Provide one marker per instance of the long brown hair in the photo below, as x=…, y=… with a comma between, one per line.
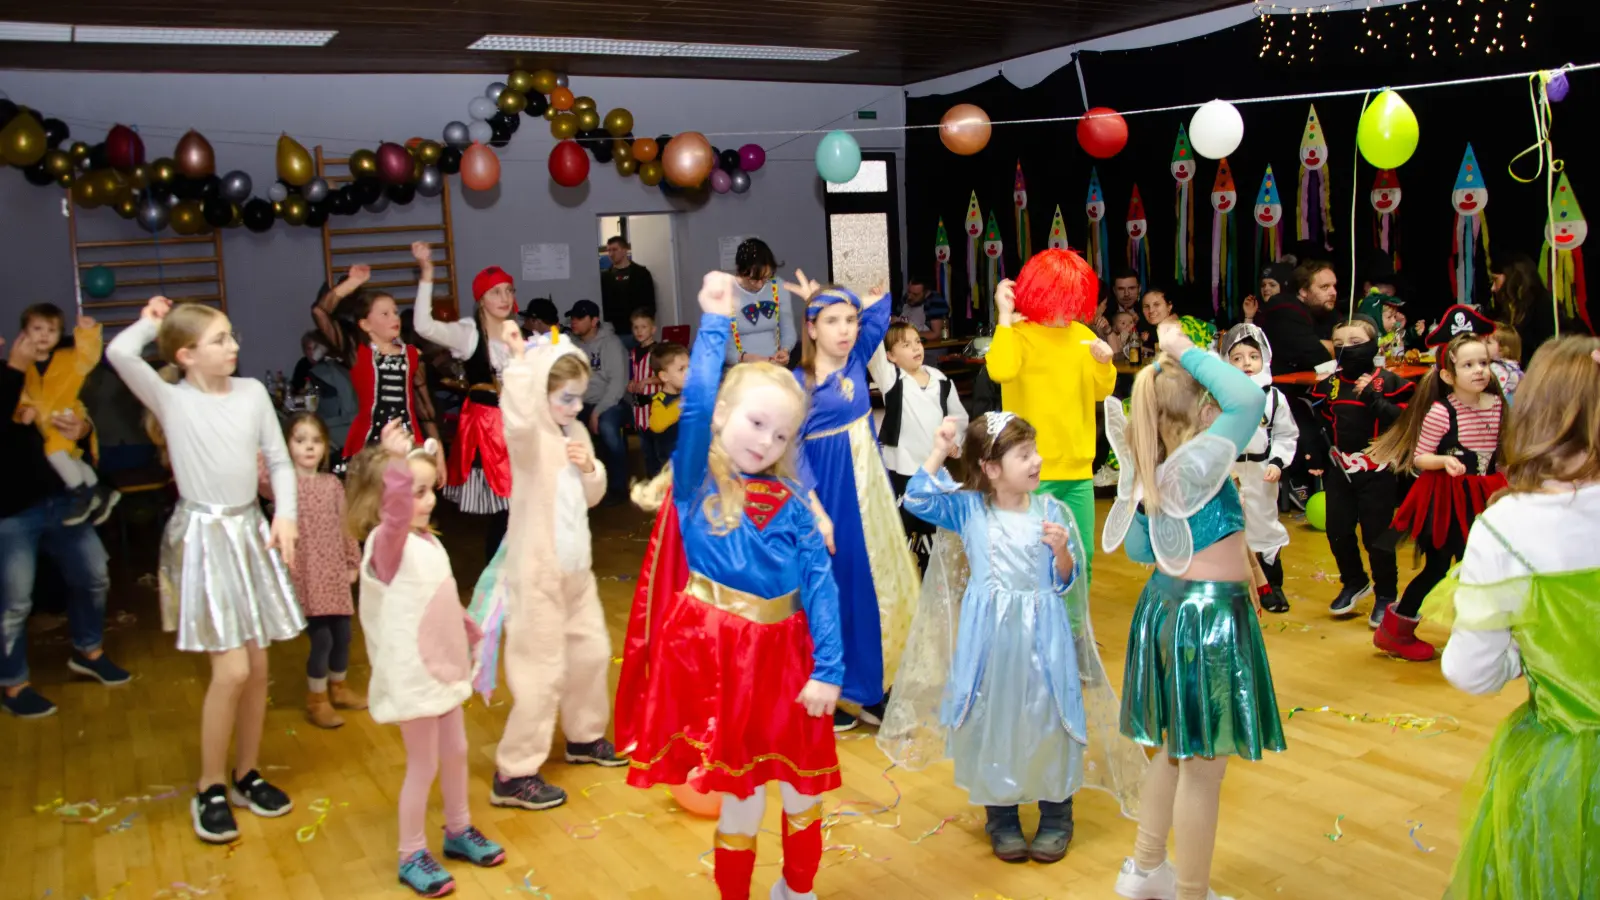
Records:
x=1168, y=409
x=1522, y=289
x=1553, y=433
x=1397, y=446
x=979, y=448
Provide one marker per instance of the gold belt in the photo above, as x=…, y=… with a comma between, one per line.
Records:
x=763, y=610
x=490, y=388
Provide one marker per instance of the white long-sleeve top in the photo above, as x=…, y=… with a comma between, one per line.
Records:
x=920, y=413
x=459, y=337
x=212, y=439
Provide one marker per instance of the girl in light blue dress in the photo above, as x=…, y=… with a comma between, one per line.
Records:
x=1016, y=695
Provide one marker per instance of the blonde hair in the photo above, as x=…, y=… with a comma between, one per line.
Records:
x=1510, y=341
x=363, y=488
x=181, y=329
x=724, y=509
x=1553, y=430
x=1397, y=446
x=567, y=367
x=1168, y=409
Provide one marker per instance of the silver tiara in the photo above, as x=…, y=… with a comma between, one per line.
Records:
x=996, y=422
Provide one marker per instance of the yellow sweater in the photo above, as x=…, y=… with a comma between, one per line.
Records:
x=56, y=389
x=1047, y=376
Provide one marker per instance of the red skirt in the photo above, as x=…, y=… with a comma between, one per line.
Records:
x=481, y=437
x=1445, y=504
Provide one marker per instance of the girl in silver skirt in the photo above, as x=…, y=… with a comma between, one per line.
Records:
x=224, y=586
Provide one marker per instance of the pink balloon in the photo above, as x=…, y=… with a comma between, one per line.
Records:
x=394, y=164
x=720, y=182
x=706, y=806
x=752, y=157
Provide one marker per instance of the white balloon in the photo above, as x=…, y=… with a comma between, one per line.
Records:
x=480, y=131
x=1216, y=130
x=277, y=193
x=481, y=108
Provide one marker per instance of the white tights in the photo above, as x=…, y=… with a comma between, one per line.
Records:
x=744, y=816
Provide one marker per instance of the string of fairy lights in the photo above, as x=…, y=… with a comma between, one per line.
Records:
x=1416, y=27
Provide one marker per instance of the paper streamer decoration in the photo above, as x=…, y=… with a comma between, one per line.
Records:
x=1564, y=235
x=1315, y=220
x=1183, y=171
x=974, y=227
x=995, y=267
x=1097, y=249
x=1269, y=219
x=1058, y=232
x=1386, y=208
x=1138, y=229
x=1469, y=198
x=1019, y=199
x=941, y=256
x=1224, y=244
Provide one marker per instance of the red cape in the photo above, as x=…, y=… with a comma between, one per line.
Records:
x=663, y=573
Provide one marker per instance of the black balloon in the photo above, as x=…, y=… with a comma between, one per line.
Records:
x=98, y=159
x=537, y=104
x=210, y=186
x=187, y=188
x=317, y=215
x=499, y=136
x=258, y=215
x=159, y=191
x=506, y=121
x=218, y=212
x=367, y=190
x=344, y=202
x=402, y=193
x=449, y=161
x=55, y=133
x=8, y=111
x=39, y=175
x=729, y=160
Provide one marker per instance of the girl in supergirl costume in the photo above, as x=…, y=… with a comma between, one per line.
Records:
x=728, y=683
x=872, y=562
x=1196, y=685
x=1449, y=436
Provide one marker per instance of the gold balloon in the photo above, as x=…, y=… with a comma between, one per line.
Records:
x=416, y=169
x=107, y=184
x=122, y=193
x=277, y=208
x=583, y=103
x=543, y=81
x=520, y=81
x=188, y=218
x=618, y=122
x=58, y=163
x=67, y=180
x=550, y=112
x=87, y=194
x=127, y=207
x=626, y=167
x=294, y=211
x=621, y=150
x=512, y=102
x=195, y=157
x=563, y=127
x=294, y=163
x=79, y=151
x=588, y=119
x=22, y=140
x=428, y=152
x=364, y=164
x=651, y=173
x=163, y=171
x=139, y=177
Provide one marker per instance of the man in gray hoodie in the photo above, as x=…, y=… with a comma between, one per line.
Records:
x=603, y=412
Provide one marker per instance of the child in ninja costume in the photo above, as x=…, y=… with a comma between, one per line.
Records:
x=1262, y=464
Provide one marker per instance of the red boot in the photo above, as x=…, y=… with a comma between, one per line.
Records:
x=1397, y=636
x=802, y=850
x=735, y=861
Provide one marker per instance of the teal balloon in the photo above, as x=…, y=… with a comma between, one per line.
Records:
x=838, y=157
x=99, y=282
x=1317, y=511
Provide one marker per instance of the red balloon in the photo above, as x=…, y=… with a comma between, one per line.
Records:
x=480, y=168
x=569, y=165
x=124, y=148
x=394, y=164
x=1103, y=132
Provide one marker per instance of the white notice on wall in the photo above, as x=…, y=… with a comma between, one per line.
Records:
x=546, y=262
x=728, y=248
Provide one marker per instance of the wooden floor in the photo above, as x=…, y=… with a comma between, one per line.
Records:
x=135, y=748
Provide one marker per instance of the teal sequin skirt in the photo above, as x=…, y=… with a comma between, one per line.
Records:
x=1196, y=681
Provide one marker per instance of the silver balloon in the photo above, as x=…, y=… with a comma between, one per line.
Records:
x=236, y=187
x=561, y=81
x=378, y=205
x=173, y=200
x=457, y=136
x=494, y=89
x=278, y=193
x=480, y=131
x=315, y=191
x=739, y=180
x=431, y=182
x=152, y=215
x=481, y=108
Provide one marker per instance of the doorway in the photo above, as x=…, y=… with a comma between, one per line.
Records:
x=650, y=238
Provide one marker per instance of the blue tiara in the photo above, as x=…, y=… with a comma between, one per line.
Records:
x=828, y=298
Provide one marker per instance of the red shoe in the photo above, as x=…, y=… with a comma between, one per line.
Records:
x=1397, y=636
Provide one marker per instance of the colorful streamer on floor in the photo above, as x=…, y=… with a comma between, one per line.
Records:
x=1425, y=726
x=321, y=806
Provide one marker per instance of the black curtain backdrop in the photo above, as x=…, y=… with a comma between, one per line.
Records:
x=1495, y=117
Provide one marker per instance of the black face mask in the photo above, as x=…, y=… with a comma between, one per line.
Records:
x=1358, y=359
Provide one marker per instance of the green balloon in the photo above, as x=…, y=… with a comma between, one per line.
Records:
x=99, y=282
x=1317, y=511
x=1387, y=134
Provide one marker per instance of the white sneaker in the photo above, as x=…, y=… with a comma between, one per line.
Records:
x=780, y=891
x=1160, y=883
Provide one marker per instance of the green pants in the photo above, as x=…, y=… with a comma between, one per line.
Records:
x=1078, y=496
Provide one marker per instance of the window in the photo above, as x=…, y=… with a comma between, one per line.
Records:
x=864, y=227
x=872, y=179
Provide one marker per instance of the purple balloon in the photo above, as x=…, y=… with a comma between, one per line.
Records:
x=1557, y=88
x=752, y=157
x=720, y=182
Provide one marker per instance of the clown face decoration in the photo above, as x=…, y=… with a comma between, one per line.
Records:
x=1223, y=197
x=1058, y=232
x=1313, y=148
x=1470, y=195
x=991, y=238
x=1138, y=226
x=974, y=222
x=1095, y=206
x=1269, y=209
x=1567, y=228
x=1183, y=169
x=1385, y=194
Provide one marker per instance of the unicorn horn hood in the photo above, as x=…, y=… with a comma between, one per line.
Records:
x=540, y=356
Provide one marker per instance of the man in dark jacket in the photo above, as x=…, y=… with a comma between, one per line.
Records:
x=625, y=287
x=1299, y=323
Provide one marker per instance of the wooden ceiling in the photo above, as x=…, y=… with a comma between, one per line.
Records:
x=897, y=43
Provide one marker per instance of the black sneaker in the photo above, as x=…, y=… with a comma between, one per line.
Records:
x=1379, y=606
x=213, y=820
x=109, y=497
x=526, y=792
x=1274, y=601
x=83, y=505
x=28, y=704
x=101, y=668
x=1345, y=603
x=843, y=721
x=262, y=798
x=597, y=753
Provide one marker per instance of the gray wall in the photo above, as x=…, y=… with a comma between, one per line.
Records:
x=272, y=277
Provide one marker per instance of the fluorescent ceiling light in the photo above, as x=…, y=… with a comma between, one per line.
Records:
x=117, y=34
x=607, y=47
x=34, y=31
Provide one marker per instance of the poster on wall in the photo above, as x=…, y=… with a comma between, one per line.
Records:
x=728, y=250
x=546, y=262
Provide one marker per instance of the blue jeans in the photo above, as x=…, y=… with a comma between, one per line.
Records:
x=77, y=552
x=613, y=448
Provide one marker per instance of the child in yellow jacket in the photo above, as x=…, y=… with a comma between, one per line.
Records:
x=51, y=386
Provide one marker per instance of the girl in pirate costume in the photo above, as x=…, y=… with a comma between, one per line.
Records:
x=479, y=473
x=1196, y=685
x=1263, y=461
x=728, y=683
x=1450, y=437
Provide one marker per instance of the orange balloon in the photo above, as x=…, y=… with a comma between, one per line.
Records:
x=480, y=168
x=645, y=149
x=688, y=159
x=561, y=98
x=706, y=806
x=413, y=143
x=964, y=129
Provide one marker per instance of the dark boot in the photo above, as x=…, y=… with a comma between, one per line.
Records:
x=1005, y=834
x=1397, y=636
x=1055, y=831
